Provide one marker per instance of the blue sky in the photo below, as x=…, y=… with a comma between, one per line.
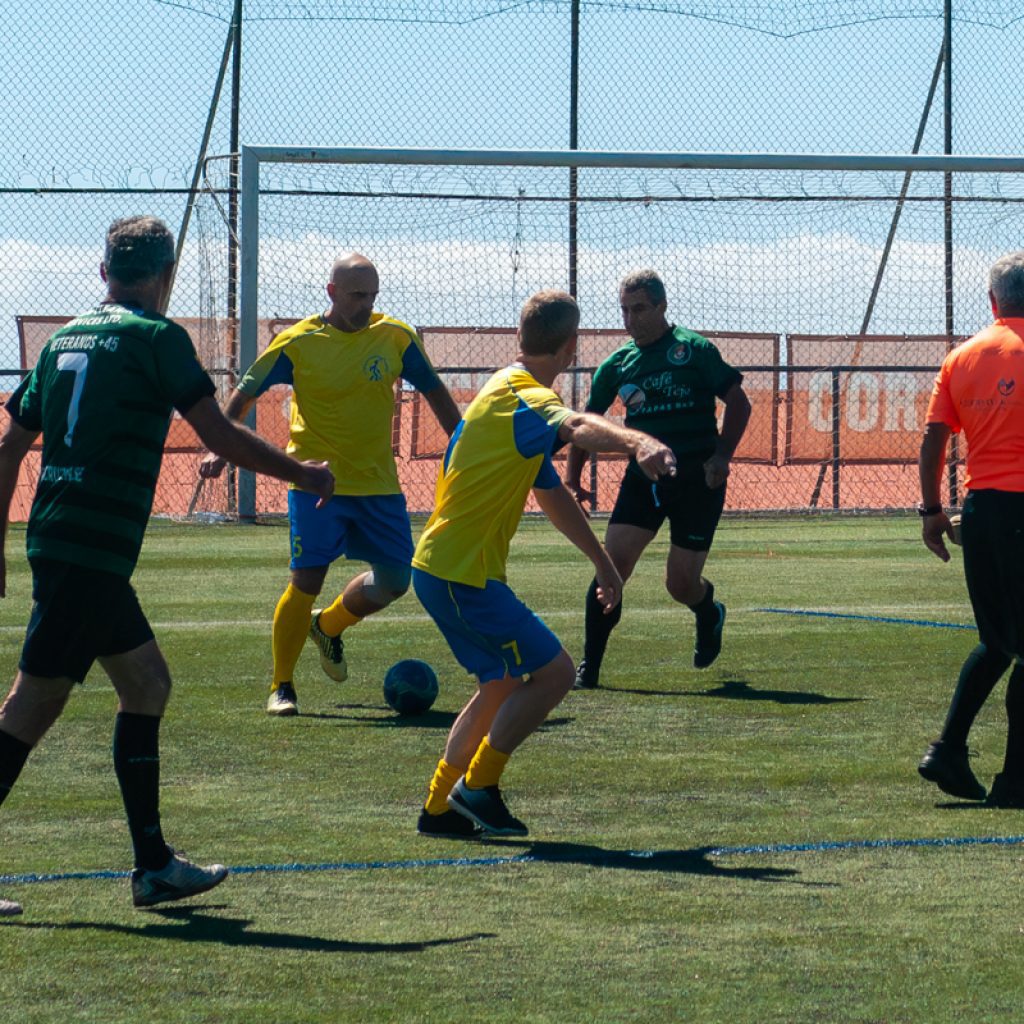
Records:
x=118, y=96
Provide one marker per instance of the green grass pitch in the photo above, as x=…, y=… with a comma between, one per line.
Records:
x=629, y=900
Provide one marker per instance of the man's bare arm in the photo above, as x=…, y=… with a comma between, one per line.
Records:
x=240, y=446
x=930, y=463
x=568, y=518
x=236, y=409
x=594, y=433
x=734, y=423
x=14, y=446
x=444, y=408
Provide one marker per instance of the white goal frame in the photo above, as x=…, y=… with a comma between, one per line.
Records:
x=254, y=156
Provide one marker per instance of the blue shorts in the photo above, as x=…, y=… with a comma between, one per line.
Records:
x=373, y=528
x=490, y=631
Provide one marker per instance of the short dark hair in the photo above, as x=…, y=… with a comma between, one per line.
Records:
x=547, y=321
x=648, y=281
x=137, y=248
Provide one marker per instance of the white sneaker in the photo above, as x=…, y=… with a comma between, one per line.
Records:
x=283, y=701
x=332, y=650
x=179, y=879
x=8, y=908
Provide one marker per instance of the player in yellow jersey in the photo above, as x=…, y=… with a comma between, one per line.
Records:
x=499, y=453
x=342, y=366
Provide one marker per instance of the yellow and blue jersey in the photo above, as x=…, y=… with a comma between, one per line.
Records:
x=343, y=394
x=500, y=450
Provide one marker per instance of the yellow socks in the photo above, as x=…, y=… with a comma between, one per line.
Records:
x=337, y=618
x=486, y=767
x=441, y=784
x=291, y=627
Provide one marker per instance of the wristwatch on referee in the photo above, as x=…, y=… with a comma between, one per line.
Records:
x=924, y=510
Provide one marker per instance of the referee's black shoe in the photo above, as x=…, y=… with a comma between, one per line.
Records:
x=948, y=767
x=1006, y=792
x=585, y=680
x=709, y=638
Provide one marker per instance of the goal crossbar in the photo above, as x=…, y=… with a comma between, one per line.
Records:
x=253, y=156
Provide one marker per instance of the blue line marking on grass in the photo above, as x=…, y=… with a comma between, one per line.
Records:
x=252, y=869
x=865, y=844
x=761, y=849
x=866, y=618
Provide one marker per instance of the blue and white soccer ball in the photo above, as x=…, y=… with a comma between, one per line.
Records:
x=410, y=687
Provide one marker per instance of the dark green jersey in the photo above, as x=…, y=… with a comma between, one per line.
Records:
x=668, y=388
x=102, y=394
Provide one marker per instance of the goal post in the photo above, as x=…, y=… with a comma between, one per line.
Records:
x=740, y=223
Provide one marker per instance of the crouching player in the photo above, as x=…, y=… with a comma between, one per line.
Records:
x=501, y=450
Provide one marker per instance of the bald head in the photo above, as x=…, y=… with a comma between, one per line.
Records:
x=350, y=261
x=353, y=289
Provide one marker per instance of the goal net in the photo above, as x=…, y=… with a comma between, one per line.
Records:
x=836, y=289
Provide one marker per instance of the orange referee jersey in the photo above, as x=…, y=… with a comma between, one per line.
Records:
x=980, y=390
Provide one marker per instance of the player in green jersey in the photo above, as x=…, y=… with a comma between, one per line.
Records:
x=102, y=394
x=668, y=379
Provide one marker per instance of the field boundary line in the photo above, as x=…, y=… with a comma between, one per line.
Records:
x=866, y=618
x=758, y=849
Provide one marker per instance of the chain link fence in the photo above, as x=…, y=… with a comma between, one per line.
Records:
x=142, y=92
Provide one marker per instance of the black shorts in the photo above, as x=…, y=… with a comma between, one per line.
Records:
x=691, y=507
x=992, y=528
x=79, y=615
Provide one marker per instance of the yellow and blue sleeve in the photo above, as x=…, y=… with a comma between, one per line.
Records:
x=273, y=367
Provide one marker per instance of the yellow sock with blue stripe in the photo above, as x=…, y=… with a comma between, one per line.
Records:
x=291, y=627
x=486, y=767
x=441, y=784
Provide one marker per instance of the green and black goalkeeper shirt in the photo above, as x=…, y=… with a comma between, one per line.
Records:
x=668, y=389
x=102, y=394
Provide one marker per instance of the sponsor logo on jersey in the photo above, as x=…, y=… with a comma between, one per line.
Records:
x=632, y=397
x=1006, y=387
x=679, y=354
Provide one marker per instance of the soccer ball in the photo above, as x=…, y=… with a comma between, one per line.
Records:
x=410, y=687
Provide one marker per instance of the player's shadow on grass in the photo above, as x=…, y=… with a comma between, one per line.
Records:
x=349, y=713
x=440, y=720
x=738, y=689
x=697, y=861
x=194, y=924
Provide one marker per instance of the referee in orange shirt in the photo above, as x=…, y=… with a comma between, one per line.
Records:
x=980, y=390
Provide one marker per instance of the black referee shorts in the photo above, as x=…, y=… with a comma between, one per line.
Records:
x=79, y=615
x=992, y=531
x=685, y=500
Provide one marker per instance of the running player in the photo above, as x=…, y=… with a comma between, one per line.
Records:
x=501, y=451
x=668, y=379
x=101, y=394
x=342, y=365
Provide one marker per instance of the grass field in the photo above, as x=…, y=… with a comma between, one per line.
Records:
x=637, y=896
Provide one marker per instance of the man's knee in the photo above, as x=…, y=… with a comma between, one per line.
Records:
x=141, y=679
x=557, y=677
x=32, y=706
x=387, y=583
x=685, y=589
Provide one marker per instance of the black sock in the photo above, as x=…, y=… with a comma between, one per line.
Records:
x=137, y=764
x=979, y=674
x=704, y=609
x=598, y=628
x=13, y=755
x=1013, y=765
